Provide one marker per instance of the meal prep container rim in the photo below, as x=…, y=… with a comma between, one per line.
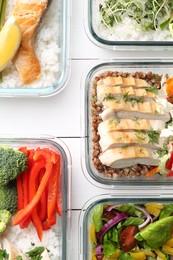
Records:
x=65, y=67
x=109, y=183
x=126, y=196
x=60, y=146
x=119, y=45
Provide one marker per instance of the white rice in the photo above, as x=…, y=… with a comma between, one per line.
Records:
x=127, y=30
x=47, y=50
x=24, y=239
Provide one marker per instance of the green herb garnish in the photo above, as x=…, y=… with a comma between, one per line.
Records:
x=152, y=89
x=35, y=254
x=3, y=254
x=162, y=151
x=153, y=135
x=109, y=96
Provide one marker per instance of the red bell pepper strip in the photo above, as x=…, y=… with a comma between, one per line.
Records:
x=170, y=173
x=24, y=213
x=53, y=187
x=42, y=206
x=49, y=222
x=170, y=161
x=52, y=219
x=59, y=203
x=37, y=223
x=59, y=196
x=25, y=181
x=33, y=185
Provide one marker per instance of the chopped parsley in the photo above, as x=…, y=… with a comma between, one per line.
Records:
x=152, y=89
x=153, y=135
x=3, y=255
x=35, y=254
x=162, y=151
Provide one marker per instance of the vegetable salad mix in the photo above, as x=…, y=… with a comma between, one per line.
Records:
x=130, y=231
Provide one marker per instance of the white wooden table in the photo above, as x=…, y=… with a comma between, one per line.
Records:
x=60, y=115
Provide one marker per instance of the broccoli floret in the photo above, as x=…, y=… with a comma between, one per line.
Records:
x=5, y=217
x=8, y=197
x=12, y=163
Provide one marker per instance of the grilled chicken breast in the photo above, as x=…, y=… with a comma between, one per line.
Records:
x=28, y=14
x=118, y=124
x=104, y=92
x=122, y=113
x=125, y=82
x=128, y=156
x=115, y=139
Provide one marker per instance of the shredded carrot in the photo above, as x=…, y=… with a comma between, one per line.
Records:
x=153, y=171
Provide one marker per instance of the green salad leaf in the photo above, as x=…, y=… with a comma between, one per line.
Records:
x=97, y=217
x=157, y=233
x=166, y=211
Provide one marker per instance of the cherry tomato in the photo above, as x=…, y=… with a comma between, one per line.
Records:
x=126, y=238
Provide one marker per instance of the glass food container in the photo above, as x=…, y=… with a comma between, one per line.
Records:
x=52, y=49
x=110, y=111
x=105, y=219
x=129, y=25
x=57, y=238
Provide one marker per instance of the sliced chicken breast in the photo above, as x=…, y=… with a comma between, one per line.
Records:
x=118, y=124
x=141, y=83
x=118, y=139
x=113, y=81
x=129, y=81
x=125, y=82
x=112, y=114
x=104, y=92
x=129, y=156
x=133, y=105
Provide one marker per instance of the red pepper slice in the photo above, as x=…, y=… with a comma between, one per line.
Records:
x=170, y=173
x=24, y=213
x=43, y=200
x=20, y=193
x=53, y=188
x=169, y=162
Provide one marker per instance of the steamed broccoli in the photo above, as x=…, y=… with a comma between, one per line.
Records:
x=8, y=197
x=5, y=217
x=12, y=163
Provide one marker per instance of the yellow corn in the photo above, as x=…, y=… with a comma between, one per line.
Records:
x=169, y=242
x=138, y=255
x=160, y=254
x=154, y=208
x=167, y=249
x=93, y=255
x=148, y=252
x=92, y=234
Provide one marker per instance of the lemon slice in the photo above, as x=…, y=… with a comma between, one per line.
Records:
x=10, y=38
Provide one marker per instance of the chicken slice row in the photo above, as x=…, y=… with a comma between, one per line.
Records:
x=132, y=121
